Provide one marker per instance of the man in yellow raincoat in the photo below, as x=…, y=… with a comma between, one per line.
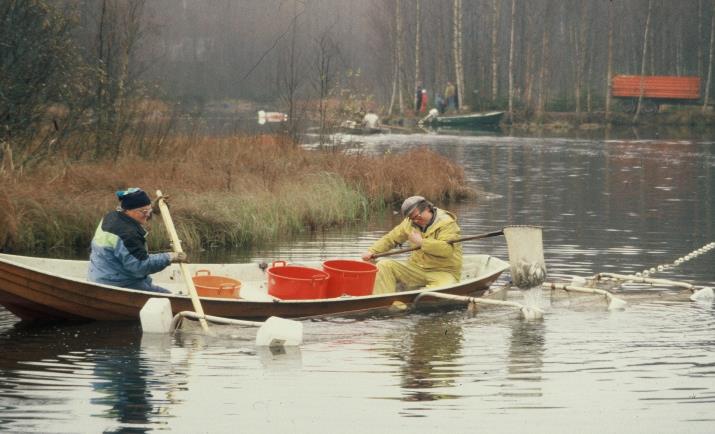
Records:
x=435, y=263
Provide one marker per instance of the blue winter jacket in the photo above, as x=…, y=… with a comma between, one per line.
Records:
x=119, y=256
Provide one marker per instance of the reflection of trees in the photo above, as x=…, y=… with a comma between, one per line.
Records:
x=430, y=345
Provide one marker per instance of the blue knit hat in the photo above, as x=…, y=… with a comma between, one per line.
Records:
x=133, y=198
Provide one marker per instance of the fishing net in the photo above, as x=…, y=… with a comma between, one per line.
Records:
x=526, y=255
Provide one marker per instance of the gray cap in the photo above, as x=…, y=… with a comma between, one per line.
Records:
x=410, y=203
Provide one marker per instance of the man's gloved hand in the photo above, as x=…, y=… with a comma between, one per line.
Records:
x=155, y=205
x=178, y=257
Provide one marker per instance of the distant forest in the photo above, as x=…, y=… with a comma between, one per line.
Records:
x=100, y=66
x=552, y=54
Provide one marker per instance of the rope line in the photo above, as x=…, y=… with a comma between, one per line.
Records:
x=692, y=255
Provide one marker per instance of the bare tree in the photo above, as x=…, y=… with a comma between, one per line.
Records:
x=643, y=61
x=495, y=49
x=418, y=52
x=398, y=66
x=609, y=61
x=710, y=58
x=457, y=51
x=327, y=51
x=511, y=60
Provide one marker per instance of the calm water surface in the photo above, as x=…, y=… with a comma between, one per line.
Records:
x=605, y=205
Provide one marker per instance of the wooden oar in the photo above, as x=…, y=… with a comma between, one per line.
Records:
x=176, y=243
x=458, y=240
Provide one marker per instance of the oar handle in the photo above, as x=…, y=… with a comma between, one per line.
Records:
x=458, y=240
x=176, y=244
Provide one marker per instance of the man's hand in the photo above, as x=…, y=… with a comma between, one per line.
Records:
x=416, y=238
x=367, y=256
x=155, y=205
x=178, y=257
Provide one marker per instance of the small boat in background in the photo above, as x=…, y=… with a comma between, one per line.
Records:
x=264, y=117
x=359, y=129
x=363, y=131
x=479, y=120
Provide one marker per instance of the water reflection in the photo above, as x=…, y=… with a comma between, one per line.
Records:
x=104, y=370
x=430, y=350
x=525, y=359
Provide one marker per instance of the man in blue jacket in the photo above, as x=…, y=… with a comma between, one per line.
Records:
x=119, y=256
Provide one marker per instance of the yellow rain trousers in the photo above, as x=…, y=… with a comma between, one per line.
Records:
x=437, y=263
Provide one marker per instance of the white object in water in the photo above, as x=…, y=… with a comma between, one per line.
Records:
x=705, y=293
x=280, y=332
x=156, y=316
x=615, y=303
x=578, y=281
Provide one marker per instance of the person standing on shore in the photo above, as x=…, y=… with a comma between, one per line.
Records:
x=436, y=263
x=450, y=95
x=119, y=255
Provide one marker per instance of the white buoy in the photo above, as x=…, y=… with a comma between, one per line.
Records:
x=616, y=303
x=578, y=281
x=280, y=332
x=532, y=313
x=156, y=316
x=706, y=293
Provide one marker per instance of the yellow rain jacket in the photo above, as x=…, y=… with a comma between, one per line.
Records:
x=436, y=254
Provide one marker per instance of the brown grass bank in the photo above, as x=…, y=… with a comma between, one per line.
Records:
x=229, y=192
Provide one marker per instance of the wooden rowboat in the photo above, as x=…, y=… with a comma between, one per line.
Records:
x=56, y=289
x=470, y=120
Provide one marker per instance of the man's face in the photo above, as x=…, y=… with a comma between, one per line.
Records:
x=141, y=215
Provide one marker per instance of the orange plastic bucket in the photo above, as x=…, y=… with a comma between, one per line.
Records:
x=215, y=286
x=349, y=277
x=291, y=282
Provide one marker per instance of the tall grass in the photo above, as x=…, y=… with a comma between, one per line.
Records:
x=236, y=191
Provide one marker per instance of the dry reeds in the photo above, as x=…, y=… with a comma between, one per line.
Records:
x=234, y=191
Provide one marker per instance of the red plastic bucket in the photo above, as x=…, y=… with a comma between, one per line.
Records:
x=349, y=277
x=291, y=282
x=215, y=286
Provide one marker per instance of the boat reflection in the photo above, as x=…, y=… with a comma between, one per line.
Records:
x=125, y=372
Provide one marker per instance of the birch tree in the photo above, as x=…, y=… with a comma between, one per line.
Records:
x=511, y=60
x=495, y=49
x=643, y=61
x=457, y=51
x=418, y=31
x=397, y=60
x=609, y=61
x=708, y=82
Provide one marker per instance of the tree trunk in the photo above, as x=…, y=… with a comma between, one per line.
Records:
x=418, y=30
x=708, y=82
x=397, y=70
x=457, y=52
x=643, y=61
x=495, y=49
x=511, y=61
x=541, y=98
x=609, y=62
x=400, y=61
x=700, y=38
